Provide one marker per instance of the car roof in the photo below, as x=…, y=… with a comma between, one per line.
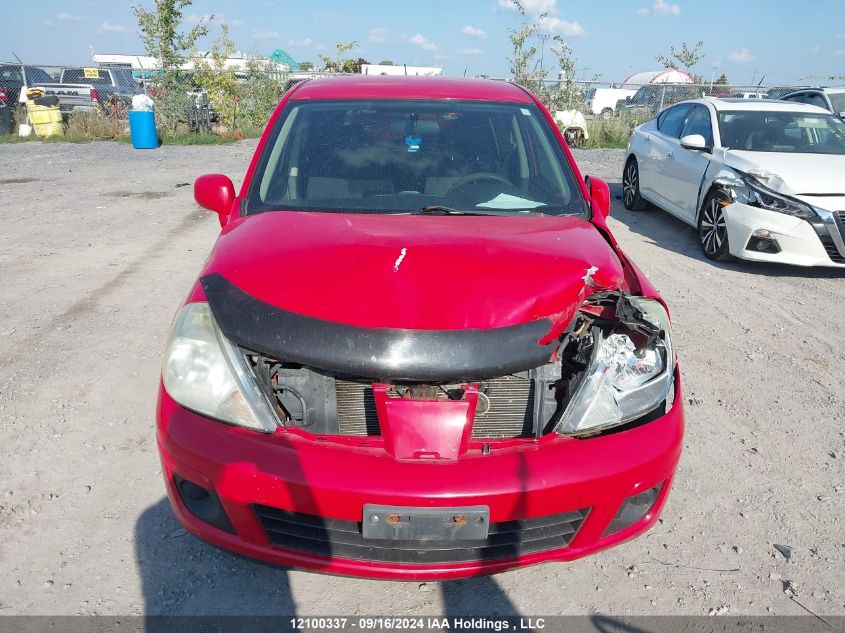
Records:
x=760, y=105
x=402, y=87
x=829, y=90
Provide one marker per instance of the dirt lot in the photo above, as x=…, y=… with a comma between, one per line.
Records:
x=100, y=243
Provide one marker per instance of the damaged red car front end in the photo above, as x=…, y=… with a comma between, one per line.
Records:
x=408, y=360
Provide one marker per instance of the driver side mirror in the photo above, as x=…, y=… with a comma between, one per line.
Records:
x=695, y=142
x=599, y=195
x=215, y=192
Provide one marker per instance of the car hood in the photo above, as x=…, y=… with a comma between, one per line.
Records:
x=417, y=272
x=792, y=174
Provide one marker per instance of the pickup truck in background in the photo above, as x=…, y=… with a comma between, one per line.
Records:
x=89, y=89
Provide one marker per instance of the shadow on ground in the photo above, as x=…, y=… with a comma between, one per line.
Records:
x=668, y=232
x=182, y=575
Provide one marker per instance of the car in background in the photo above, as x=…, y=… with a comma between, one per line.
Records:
x=760, y=180
x=831, y=99
x=604, y=101
x=416, y=350
x=14, y=77
x=654, y=97
x=93, y=88
x=748, y=95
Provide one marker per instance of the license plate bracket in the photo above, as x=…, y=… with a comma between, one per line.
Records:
x=399, y=523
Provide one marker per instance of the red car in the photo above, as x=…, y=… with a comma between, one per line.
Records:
x=416, y=351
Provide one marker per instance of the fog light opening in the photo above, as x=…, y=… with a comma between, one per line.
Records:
x=203, y=504
x=763, y=241
x=633, y=509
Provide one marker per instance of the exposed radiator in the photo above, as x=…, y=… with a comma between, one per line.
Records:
x=509, y=414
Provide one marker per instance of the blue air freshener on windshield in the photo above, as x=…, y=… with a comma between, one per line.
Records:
x=413, y=143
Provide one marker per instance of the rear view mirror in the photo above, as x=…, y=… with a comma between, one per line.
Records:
x=215, y=192
x=694, y=141
x=599, y=195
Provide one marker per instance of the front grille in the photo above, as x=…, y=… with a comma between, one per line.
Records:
x=510, y=412
x=336, y=537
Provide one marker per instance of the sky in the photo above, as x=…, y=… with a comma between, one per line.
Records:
x=748, y=40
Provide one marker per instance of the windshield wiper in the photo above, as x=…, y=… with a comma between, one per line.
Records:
x=436, y=209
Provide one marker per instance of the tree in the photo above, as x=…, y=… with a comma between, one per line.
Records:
x=164, y=41
x=687, y=57
x=386, y=62
x=218, y=80
x=161, y=36
x=306, y=65
x=531, y=72
x=340, y=63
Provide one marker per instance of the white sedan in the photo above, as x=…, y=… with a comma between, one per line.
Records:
x=760, y=180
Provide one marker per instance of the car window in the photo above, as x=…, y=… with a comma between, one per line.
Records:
x=77, y=76
x=11, y=74
x=797, y=98
x=814, y=98
x=837, y=100
x=698, y=122
x=37, y=75
x=389, y=156
x=671, y=124
x=787, y=132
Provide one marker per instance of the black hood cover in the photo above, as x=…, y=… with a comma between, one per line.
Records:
x=386, y=354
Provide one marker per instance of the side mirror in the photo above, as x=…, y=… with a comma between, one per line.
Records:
x=694, y=141
x=599, y=195
x=215, y=192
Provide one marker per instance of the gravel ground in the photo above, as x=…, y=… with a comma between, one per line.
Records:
x=101, y=242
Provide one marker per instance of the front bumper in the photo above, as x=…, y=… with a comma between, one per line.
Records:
x=800, y=244
x=328, y=480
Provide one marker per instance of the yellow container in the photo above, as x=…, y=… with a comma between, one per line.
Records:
x=45, y=120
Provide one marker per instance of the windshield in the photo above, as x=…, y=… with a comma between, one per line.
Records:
x=837, y=100
x=389, y=156
x=788, y=132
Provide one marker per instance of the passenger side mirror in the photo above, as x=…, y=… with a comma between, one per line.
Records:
x=695, y=142
x=215, y=192
x=599, y=195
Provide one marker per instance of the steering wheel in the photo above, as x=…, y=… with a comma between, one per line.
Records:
x=480, y=176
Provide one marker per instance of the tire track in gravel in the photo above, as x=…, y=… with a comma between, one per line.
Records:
x=90, y=301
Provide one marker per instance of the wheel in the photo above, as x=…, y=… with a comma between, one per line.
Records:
x=572, y=136
x=631, y=187
x=606, y=113
x=713, y=228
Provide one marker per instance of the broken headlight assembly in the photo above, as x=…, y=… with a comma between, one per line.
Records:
x=629, y=366
x=749, y=190
x=204, y=372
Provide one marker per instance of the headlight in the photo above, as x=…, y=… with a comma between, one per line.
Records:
x=756, y=194
x=624, y=380
x=203, y=372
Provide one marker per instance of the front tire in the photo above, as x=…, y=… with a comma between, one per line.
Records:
x=713, y=228
x=631, y=187
x=606, y=113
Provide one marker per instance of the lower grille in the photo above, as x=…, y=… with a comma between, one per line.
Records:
x=829, y=245
x=505, y=409
x=336, y=537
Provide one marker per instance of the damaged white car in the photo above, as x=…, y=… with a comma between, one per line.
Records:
x=760, y=180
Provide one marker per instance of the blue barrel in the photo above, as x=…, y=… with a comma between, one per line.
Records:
x=142, y=128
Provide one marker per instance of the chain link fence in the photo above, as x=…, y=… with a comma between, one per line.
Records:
x=94, y=101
